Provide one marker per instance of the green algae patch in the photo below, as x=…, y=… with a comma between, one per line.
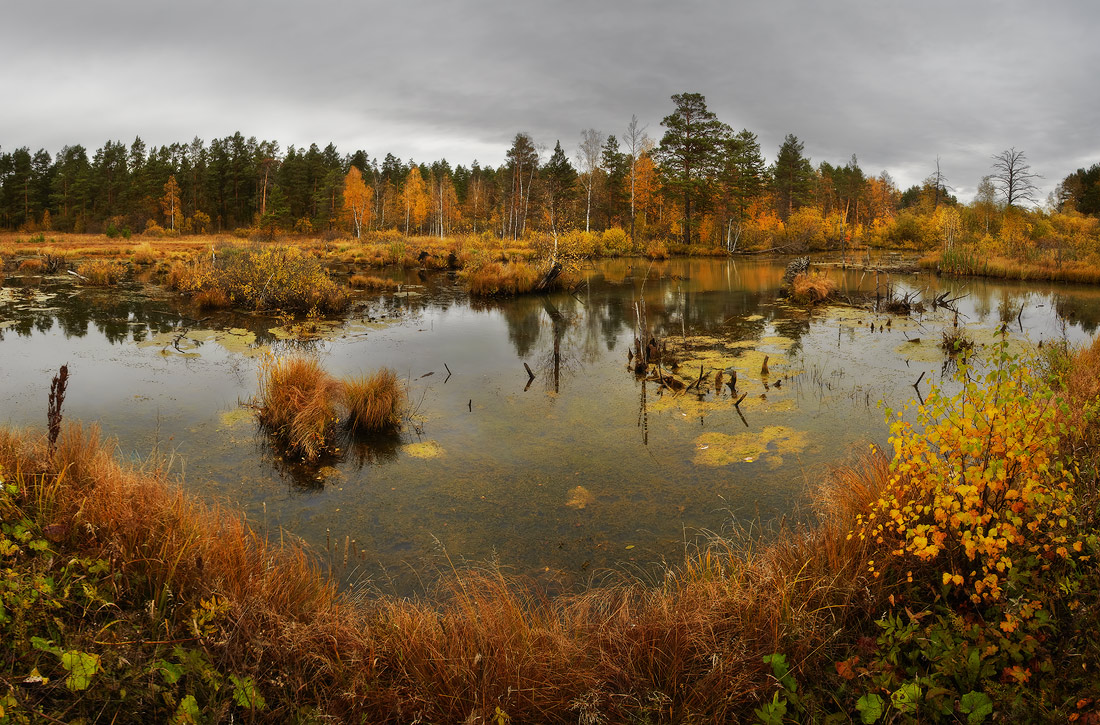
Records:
x=424, y=450
x=186, y=343
x=235, y=417
x=721, y=449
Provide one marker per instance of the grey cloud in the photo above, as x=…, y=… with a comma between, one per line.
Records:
x=895, y=84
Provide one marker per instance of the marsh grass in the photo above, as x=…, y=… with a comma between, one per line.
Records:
x=494, y=278
x=809, y=288
x=101, y=273
x=374, y=403
x=33, y=265
x=372, y=282
x=297, y=404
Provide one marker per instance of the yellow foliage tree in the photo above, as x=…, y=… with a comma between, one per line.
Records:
x=415, y=198
x=357, y=200
x=170, y=202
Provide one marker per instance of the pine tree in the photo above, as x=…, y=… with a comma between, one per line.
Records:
x=690, y=152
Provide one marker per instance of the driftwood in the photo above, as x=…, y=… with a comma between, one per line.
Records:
x=548, y=278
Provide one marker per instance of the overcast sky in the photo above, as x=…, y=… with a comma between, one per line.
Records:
x=898, y=84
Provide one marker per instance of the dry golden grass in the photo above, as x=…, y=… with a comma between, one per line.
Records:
x=810, y=288
x=371, y=282
x=212, y=299
x=32, y=266
x=101, y=273
x=297, y=403
x=689, y=648
x=494, y=278
x=144, y=253
x=373, y=402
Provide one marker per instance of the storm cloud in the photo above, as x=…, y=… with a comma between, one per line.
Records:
x=896, y=84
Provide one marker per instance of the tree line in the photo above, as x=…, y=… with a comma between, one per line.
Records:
x=700, y=182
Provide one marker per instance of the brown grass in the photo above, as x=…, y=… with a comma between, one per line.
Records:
x=32, y=266
x=811, y=288
x=297, y=403
x=689, y=648
x=212, y=299
x=101, y=273
x=494, y=278
x=144, y=253
x=374, y=402
x=371, y=282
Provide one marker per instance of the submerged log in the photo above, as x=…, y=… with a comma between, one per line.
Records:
x=548, y=278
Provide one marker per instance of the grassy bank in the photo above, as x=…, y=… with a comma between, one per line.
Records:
x=953, y=579
x=974, y=263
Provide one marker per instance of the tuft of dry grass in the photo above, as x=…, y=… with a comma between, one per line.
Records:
x=212, y=299
x=372, y=282
x=810, y=288
x=297, y=403
x=374, y=402
x=101, y=273
x=144, y=253
x=33, y=265
x=494, y=278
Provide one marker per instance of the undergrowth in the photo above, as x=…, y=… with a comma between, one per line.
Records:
x=952, y=579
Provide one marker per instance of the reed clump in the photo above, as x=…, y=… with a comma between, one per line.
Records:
x=496, y=278
x=811, y=288
x=34, y=265
x=305, y=408
x=373, y=402
x=297, y=403
x=372, y=282
x=101, y=273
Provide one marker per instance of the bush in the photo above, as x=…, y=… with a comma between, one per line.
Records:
x=616, y=242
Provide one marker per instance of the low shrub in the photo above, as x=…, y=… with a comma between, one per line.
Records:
x=32, y=266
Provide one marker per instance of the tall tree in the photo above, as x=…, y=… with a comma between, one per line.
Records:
x=522, y=165
x=614, y=164
x=690, y=151
x=415, y=199
x=588, y=159
x=560, y=180
x=792, y=177
x=170, y=202
x=744, y=174
x=1012, y=177
x=637, y=143
x=357, y=200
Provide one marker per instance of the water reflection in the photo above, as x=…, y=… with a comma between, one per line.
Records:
x=491, y=469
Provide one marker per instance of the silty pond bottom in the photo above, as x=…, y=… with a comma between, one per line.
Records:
x=583, y=470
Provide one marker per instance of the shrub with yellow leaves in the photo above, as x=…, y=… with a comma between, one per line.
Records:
x=978, y=489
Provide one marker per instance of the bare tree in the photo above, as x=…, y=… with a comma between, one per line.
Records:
x=938, y=182
x=1013, y=178
x=637, y=143
x=588, y=158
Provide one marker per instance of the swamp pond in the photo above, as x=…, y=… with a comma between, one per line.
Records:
x=587, y=469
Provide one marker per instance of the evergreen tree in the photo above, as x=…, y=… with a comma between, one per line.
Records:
x=690, y=152
x=792, y=177
x=560, y=180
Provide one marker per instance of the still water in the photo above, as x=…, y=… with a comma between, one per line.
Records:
x=585, y=470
